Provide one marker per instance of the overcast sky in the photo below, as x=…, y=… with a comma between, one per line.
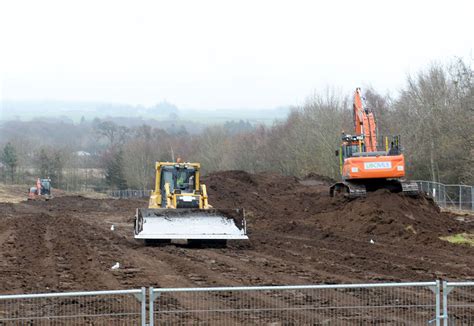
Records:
x=222, y=54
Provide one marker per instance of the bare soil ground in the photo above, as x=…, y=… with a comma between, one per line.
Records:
x=298, y=235
x=13, y=193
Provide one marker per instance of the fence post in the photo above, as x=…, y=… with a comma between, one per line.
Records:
x=438, y=303
x=446, y=290
x=460, y=197
x=151, y=322
x=444, y=196
x=143, y=303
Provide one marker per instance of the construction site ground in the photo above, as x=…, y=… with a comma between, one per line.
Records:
x=298, y=235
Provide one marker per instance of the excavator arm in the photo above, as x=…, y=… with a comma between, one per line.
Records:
x=364, y=122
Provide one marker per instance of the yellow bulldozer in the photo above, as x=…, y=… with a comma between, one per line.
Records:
x=179, y=210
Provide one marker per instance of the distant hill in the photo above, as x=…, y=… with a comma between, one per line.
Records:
x=74, y=111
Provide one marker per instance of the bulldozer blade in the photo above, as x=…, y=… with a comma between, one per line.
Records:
x=190, y=224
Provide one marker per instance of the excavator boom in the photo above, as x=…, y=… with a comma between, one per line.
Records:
x=364, y=122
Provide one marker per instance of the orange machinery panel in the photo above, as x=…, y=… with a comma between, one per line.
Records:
x=373, y=167
x=364, y=123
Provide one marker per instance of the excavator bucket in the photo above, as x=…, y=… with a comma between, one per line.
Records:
x=190, y=224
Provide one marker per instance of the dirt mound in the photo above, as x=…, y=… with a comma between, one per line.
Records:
x=235, y=189
x=298, y=235
x=391, y=217
x=284, y=204
x=318, y=178
x=241, y=180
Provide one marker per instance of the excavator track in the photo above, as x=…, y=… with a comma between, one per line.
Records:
x=347, y=189
x=410, y=188
x=350, y=189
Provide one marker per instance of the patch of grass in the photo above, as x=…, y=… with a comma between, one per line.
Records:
x=460, y=238
x=457, y=211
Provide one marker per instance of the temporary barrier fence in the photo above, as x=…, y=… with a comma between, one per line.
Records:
x=458, y=303
x=129, y=193
x=119, y=307
x=414, y=303
x=460, y=197
x=351, y=304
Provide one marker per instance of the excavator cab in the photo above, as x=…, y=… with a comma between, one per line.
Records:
x=354, y=146
x=179, y=210
x=45, y=187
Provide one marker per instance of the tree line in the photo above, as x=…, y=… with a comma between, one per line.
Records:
x=432, y=113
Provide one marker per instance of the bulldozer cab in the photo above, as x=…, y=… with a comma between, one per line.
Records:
x=175, y=183
x=180, y=178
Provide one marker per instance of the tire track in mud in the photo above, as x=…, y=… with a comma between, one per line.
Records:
x=48, y=262
x=96, y=251
x=378, y=259
x=308, y=264
x=6, y=239
x=231, y=271
x=26, y=250
x=202, y=267
x=296, y=238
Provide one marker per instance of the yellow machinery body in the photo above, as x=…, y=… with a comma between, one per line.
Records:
x=165, y=196
x=179, y=209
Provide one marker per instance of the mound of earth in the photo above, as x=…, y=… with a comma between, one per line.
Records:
x=285, y=204
x=298, y=235
x=321, y=179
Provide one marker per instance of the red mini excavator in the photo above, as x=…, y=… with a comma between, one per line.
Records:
x=366, y=165
x=41, y=191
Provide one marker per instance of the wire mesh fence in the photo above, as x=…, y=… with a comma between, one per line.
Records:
x=127, y=307
x=129, y=193
x=459, y=197
x=356, y=304
x=336, y=304
x=458, y=307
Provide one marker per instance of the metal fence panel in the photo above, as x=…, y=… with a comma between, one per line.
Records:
x=446, y=196
x=130, y=193
x=127, y=307
x=355, y=304
x=460, y=197
x=458, y=303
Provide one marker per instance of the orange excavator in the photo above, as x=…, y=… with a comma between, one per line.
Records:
x=368, y=163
